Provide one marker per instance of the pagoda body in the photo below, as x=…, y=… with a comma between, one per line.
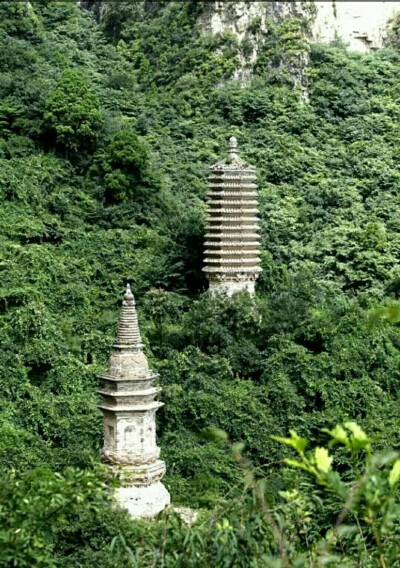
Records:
x=129, y=409
x=232, y=245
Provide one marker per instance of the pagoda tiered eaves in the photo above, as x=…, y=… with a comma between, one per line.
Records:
x=232, y=260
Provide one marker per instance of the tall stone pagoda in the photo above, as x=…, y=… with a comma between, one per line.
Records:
x=232, y=245
x=129, y=409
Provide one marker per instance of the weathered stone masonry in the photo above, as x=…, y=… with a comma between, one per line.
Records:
x=129, y=408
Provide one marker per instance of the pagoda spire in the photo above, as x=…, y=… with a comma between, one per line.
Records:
x=129, y=409
x=128, y=335
x=232, y=246
x=233, y=151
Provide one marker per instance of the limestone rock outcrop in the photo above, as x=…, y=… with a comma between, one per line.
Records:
x=250, y=23
x=360, y=25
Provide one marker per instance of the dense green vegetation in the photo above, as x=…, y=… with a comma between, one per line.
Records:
x=107, y=130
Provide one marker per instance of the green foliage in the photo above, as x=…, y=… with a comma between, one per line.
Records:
x=72, y=112
x=285, y=45
x=33, y=506
x=126, y=169
x=107, y=130
x=326, y=515
x=366, y=502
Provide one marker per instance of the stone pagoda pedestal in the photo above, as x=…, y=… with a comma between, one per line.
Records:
x=129, y=409
x=231, y=258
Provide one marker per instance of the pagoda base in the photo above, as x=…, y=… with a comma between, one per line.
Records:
x=231, y=287
x=143, y=502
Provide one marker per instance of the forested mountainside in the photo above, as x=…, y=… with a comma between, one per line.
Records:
x=107, y=132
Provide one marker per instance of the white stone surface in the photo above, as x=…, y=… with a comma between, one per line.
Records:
x=143, y=502
x=231, y=288
x=361, y=25
x=188, y=516
x=129, y=408
x=239, y=18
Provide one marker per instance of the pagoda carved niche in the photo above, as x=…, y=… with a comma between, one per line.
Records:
x=232, y=246
x=129, y=408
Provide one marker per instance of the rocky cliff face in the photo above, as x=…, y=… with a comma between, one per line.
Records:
x=246, y=17
x=275, y=34
x=361, y=25
x=251, y=23
x=243, y=18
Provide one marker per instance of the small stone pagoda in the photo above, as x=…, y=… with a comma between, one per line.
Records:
x=232, y=245
x=129, y=409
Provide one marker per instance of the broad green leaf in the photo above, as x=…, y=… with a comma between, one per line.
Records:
x=323, y=459
x=358, y=433
x=394, y=474
x=299, y=443
x=289, y=495
x=295, y=441
x=339, y=435
x=295, y=463
x=359, y=440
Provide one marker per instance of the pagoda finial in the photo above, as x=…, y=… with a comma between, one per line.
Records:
x=128, y=296
x=128, y=328
x=232, y=148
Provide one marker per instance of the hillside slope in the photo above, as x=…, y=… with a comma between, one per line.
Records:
x=107, y=132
